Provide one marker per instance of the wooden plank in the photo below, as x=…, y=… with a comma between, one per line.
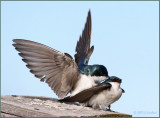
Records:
x=38, y=106
x=7, y=115
x=21, y=112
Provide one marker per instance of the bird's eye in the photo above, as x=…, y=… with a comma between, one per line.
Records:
x=101, y=73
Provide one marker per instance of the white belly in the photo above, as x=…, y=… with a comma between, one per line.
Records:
x=84, y=82
x=106, y=97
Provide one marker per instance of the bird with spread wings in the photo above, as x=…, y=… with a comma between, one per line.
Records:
x=59, y=70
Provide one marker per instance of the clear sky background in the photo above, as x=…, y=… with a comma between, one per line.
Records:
x=125, y=36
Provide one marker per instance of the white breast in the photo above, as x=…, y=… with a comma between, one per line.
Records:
x=86, y=82
x=106, y=97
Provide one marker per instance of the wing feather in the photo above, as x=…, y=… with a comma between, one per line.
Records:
x=83, y=45
x=58, y=70
x=86, y=94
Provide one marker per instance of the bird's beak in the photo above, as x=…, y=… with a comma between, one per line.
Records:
x=123, y=91
x=119, y=81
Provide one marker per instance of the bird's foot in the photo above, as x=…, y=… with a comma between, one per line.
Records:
x=110, y=110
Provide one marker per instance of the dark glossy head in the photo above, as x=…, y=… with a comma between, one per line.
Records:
x=114, y=79
x=99, y=70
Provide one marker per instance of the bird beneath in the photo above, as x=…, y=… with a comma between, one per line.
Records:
x=59, y=70
x=100, y=96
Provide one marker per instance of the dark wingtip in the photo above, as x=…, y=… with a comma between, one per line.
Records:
x=16, y=40
x=60, y=100
x=24, y=60
x=66, y=99
x=14, y=45
x=92, y=48
x=89, y=12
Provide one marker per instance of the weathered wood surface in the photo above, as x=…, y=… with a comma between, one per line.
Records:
x=32, y=106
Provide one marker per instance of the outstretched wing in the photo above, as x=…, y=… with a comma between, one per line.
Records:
x=83, y=45
x=58, y=70
x=86, y=94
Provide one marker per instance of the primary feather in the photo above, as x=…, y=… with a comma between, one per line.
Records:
x=58, y=70
x=83, y=45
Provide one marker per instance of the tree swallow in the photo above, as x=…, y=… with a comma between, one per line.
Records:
x=100, y=96
x=59, y=70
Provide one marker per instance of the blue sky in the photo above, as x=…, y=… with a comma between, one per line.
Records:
x=125, y=36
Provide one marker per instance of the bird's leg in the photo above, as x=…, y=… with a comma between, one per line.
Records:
x=109, y=108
